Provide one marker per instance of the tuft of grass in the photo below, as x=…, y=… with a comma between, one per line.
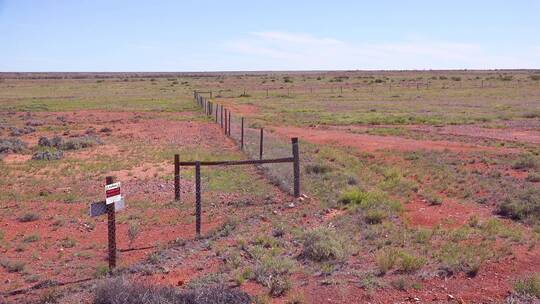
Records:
x=271, y=271
x=133, y=232
x=373, y=217
x=431, y=198
x=123, y=291
x=528, y=286
x=68, y=242
x=323, y=244
x=28, y=217
x=31, y=238
x=410, y=263
x=523, y=205
x=12, y=266
x=525, y=161
x=357, y=198
x=533, y=177
x=386, y=260
x=101, y=271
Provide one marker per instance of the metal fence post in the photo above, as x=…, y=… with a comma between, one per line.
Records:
x=176, y=177
x=261, y=144
x=229, y=128
x=111, y=223
x=198, y=198
x=296, y=166
x=226, y=122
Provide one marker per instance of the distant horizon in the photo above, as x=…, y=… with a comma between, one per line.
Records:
x=269, y=71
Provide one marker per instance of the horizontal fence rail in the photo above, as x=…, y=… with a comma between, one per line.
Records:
x=239, y=162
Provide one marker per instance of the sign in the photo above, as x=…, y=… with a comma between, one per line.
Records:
x=100, y=208
x=112, y=193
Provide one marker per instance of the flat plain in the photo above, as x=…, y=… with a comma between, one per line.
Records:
x=418, y=186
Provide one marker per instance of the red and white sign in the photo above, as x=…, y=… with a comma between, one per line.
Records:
x=112, y=193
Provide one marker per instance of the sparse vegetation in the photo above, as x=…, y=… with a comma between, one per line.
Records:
x=324, y=244
x=528, y=286
x=122, y=291
x=12, y=266
x=28, y=217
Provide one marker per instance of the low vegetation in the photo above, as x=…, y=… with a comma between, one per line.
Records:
x=324, y=244
x=122, y=291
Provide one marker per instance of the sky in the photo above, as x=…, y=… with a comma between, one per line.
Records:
x=205, y=35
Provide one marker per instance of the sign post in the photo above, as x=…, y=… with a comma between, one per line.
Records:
x=112, y=192
x=113, y=202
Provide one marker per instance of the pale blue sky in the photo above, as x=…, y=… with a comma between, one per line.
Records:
x=109, y=35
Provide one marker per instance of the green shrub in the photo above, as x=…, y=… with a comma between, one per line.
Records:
x=467, y=258
x=374, y=216
x=528, y=286
x=356, y=198
x=271, y=271
x=323, y=244
x=386, y=259
x=410, y=263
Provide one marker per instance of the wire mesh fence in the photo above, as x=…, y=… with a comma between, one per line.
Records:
x=255, y=142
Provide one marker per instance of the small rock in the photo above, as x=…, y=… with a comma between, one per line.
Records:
x=291, y=205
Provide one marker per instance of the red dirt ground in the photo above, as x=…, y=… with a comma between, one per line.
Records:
x=372, y=143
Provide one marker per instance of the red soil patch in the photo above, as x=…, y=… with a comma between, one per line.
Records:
x=244, y=109
x=373, y=143
x=504, y=134
x=449, y=214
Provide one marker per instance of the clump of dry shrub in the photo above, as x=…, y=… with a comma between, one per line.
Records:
x=123, y=291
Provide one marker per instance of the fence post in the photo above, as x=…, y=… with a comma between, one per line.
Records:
x=340, y=90
x=217, y=108
x=111, y=223
x=261, y=144
x=266, y=92
x=198, y=198
x=296, y=166
x=221, y=119
x=226, y=122
x=176, y=177
x=242, y=134
x=229, y=128
x=210, y=94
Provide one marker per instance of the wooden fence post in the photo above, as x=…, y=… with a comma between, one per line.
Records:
x=296, y=166
x=198, y=198
x=111, y=223
x=242, y=134
x=261, y=144
x=221, y=119
x=176, y=177
x=217, y=108
x=266, y=92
